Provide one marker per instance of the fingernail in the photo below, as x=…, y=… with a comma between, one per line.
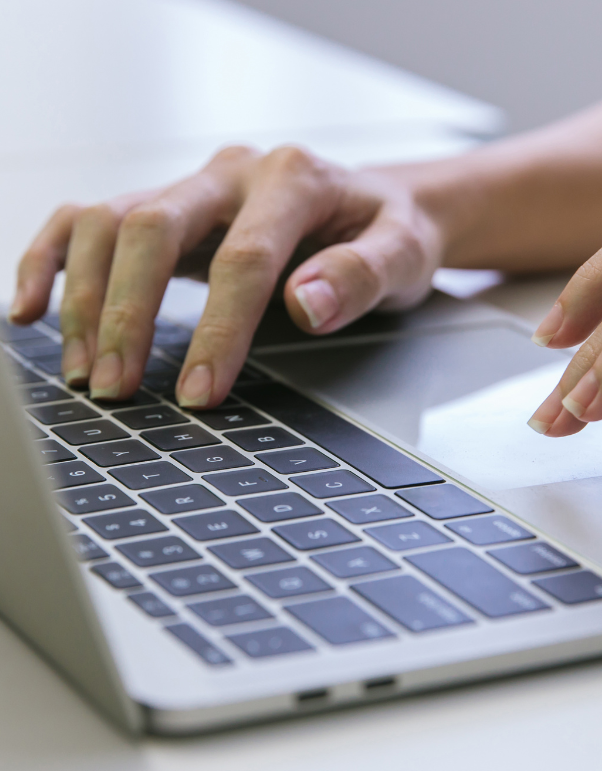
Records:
x=318, y=300
x=16, y=309
x=582, y=395
x=538, y=425
x=196, y=389
x=76, y=365
x=549, y=326
x=105, y=382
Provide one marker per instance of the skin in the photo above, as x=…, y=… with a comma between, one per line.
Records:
x=529, y=203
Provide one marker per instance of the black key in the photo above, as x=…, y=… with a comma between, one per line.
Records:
x=139, y=399
x=245, y=482
x=116, y=575
x=86, y=549
x=125, y=524
x=52, y=414
x=241, y=417
x=177, y=352
x=476, y=582
x=256, y=439
x=221, y=524
x=213, y=459
x=36, y=432
x=149, y=417
x=444, y=501
x=11, y=333
x=407, y=535
x=294, y=461
x=69, y=526
x=160, y=382
x=202, y=647
x=72, y=474
x=230, y=610
x=158, y=551
x=369, y=508
x=170, y=334
x=572, y=588
x=178, y=499
x=45, y=392
x=196, y=580
x=146, y=475
x=275, y=508
x=289, y=582
x=358, y=561
x=180, y=438
x=34, y=337
x=315, y=534
x=373, y=457
x=537, y=557
x=90, y=433
x=270, y=642
x=329, y=484
x=52, y=365
x=411, y=603
x=22, y=375
x=339, y=621
x=53, y=452
x=38, y=349
x=156, y=364
x=93, y=499
x=53, y=320
x=151, y=604
x=118, y=453
x=483, y=531
x=250, y=553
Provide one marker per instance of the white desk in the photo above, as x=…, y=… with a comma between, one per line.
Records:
x=107, y=95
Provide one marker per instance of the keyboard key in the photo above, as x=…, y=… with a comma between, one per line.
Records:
x=125, y=524
x=339, y=621
x=23, y=375
x=254, y=480
x=289, y=582
x=38, y=348
x=241, y=417
x=411, y=603
x=369, y=508
x=202, y=647
x=35, y=431
x=250, y=375
x=407, y=535
x=161, y=382
x=230, y=610
x=572, y=588
x=53, y=320
x=11, y=333
x=51, y=365
x=483, y=531
x=158, y=551
x=52, y=414
x=69, y=526
x=251, y=553
x=167, y=333
x=93, y=499
x=178, y=499
x=177, y=438
x=270, y=642
x=444, y=501
x=72, y=474
x=315, y=534
x=256, y=439
x=139, y=399
x=146, y=475
x=275, y=508
x=118, y=453
x=212, y=459
x=294, y=461
x=53, y=452
x=221, y=524
x=151, y=604
x=329, y=484
x=358, y=561
x=90, y=433
x=156, y=364
x=149, y=417
x=196, y=580
x=116, y=575
x=38, y=394
x=369, y=455
x=537, y=557
x=85, y=548
x=476, y=582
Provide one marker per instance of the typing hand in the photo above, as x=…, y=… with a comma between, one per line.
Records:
x=379, y=248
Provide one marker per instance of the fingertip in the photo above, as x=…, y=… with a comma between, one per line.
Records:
x=318, y=301
x=194, y=391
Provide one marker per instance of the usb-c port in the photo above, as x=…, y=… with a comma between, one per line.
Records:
x=307, y=697
x=380, y=683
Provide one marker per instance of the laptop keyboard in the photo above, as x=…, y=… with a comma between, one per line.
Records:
x=271, y=526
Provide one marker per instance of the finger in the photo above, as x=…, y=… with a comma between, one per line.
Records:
x=584, y=400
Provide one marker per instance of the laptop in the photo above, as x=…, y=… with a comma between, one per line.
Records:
x=366, y=515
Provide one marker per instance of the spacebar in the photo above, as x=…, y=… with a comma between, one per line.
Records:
x=373, y=457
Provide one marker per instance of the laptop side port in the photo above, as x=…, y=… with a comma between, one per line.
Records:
x=314, y=698
x=380, y=684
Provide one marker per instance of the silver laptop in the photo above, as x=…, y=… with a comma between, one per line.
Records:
x=367, y=515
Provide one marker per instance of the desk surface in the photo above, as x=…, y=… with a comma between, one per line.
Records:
x=107, y=95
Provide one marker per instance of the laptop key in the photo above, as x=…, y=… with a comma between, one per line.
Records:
x=212, y=459
x=357, y=561
x=51, y=365
x=38, y=394
x=294, y=461
x=116, y=575
x=573, y=588
x=139, y=399
x=537, y=557
x=369, y=508
x=150, y=417
x=241, y=417
x=53, y=452
x=158, y=551
x=254, y=480
x=180, y=438
x=91, y=432
x=412, y=604
x=197, y=643
x=118, y=453
x=339, y=621
x=72, y=474
x=444, y=501
x=221, y=524
x=484, y=531
x=256, y=439
x=151, y=604
x=154, y=474
x=23, y=375
x=98, y=498
x=476, y=582
x=11, y=333
x=53, y=414
x=36, y=431
x=407, y=535
x=289, y=582
x=251, y=553
x=270, y=642
x=161, y=382
x=178, y=499
x=85, y=548
x=315, y=534
x=195, y=580
x=230, y=610
x=275, y=508
x=329, y=484
x=125, y=524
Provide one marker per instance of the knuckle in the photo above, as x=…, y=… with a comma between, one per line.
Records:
x=311, y=175
x=214, y=335
x=234, y=154
x=67, y=211
x=591, y=270
x=248, y=257
x=121, y=318
x=367, y=273
x=100, y=215
x=153, y=218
